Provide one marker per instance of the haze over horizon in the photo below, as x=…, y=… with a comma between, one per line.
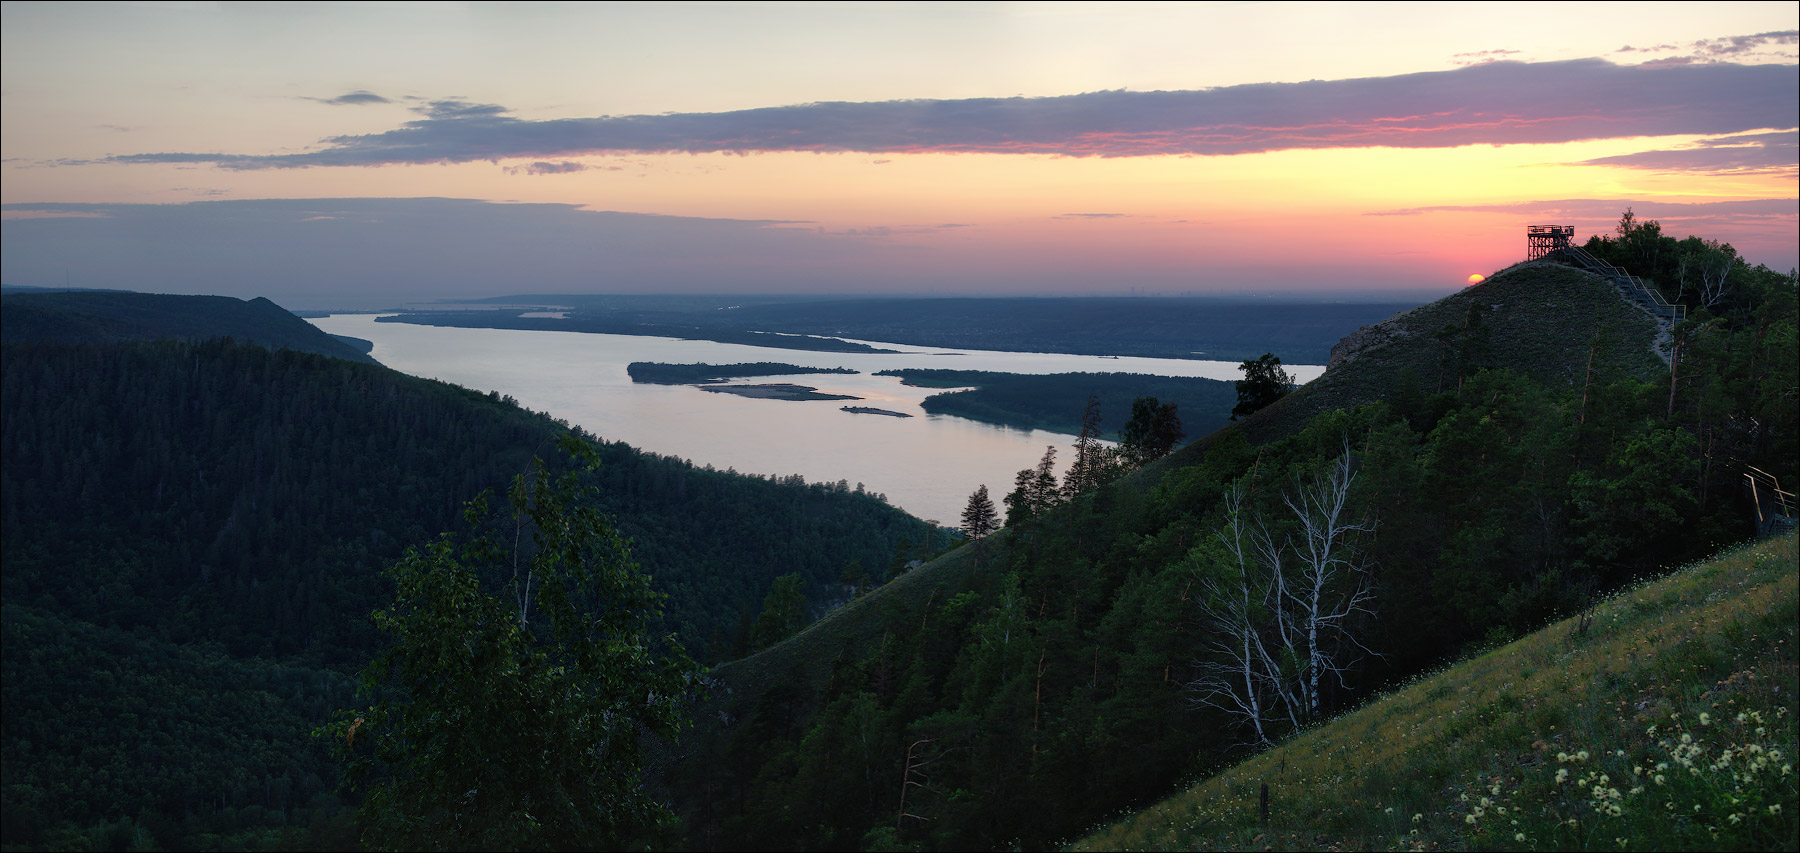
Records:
x=383, y=153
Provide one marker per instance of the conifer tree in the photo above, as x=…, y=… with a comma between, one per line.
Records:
x=1089, y=470
x=979, y=518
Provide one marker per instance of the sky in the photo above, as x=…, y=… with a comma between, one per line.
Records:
x=354, y=155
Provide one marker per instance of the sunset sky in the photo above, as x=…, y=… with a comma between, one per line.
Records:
x=357, y=154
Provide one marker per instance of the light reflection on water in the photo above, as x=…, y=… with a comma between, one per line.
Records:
x=926, y=464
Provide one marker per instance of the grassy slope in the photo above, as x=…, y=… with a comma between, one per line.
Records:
x=1469, y=757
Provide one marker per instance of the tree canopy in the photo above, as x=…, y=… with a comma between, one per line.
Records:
x=510, y=708
x=1264, y=382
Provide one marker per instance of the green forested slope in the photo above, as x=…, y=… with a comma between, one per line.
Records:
x=1018, y=691
x=93, y=317
x=1541, y=320
x=215, y=517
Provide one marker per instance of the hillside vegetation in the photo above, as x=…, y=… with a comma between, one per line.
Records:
x=1663, y=718
x=1463, y=475
x=193, y=535
x=1549, y=322
x=105, y=316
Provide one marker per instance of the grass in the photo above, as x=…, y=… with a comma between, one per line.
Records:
x=1662, y=719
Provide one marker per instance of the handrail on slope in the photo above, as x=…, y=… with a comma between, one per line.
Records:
x=1650, y=296
x=1761, y=481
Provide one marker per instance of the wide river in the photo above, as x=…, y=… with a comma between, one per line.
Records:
x=927, y=465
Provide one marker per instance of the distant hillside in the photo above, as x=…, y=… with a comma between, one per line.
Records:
x=1221, y=328
x=1662, y=719
x=103, y=316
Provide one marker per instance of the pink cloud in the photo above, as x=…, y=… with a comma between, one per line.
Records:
x=1491, y=103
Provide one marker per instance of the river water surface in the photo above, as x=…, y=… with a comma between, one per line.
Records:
x=927, y=465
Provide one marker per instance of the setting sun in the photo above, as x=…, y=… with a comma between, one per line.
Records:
x=1477, y=278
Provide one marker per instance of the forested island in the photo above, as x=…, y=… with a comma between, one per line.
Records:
x=659, y=373
x=1055, y=402
x=777, y=391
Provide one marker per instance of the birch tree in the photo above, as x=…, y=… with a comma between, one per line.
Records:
x=1331, y=585
x=1283, y=613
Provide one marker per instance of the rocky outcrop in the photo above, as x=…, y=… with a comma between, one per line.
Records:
x=1367, y=338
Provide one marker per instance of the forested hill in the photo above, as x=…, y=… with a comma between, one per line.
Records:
x=1557, y=325
x=1478, y=468
x=97, y=316
x=193, y=535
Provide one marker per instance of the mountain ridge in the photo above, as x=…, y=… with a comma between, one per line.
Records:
x=99, y=316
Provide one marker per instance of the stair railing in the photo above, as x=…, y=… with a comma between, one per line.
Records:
x=1662, y=308
x=1765, y=488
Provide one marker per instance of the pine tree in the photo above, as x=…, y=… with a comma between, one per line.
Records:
x=979, y=517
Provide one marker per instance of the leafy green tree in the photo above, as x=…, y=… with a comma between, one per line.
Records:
x=1152, y=431
x=1264, y=382
x=784, y=611
x=520, y=682
x=1628, y=511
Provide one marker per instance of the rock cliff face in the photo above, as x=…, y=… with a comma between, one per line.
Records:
x=1366, y=338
